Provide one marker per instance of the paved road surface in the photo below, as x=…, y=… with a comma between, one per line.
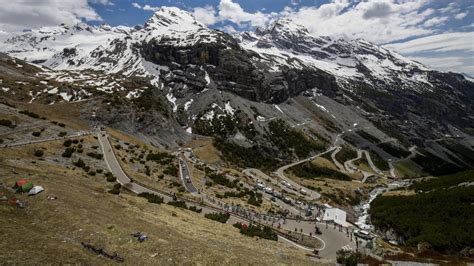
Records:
x=75, y=135
x=311, y=194
x=25, y=127
x=371, y=163
x=333, y=239
x=186, y=177
x=335, y=161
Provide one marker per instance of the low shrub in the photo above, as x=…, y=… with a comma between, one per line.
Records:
x=67, y=143
x=179, y=204
x=7, y=123
x=68, y=152
x=36, y=133
x=265, y=232
x=30, y=114
x=110, y=177
x=38, y=153
x=79, y=163
x=116, y=189
x=195, y=209
x=62, y=134
x=217, y=216
x=95, y=155
x=152, y=198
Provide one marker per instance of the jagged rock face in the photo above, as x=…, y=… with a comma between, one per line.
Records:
x=182, y=59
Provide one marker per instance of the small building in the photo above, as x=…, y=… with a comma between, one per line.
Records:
x=336, y=215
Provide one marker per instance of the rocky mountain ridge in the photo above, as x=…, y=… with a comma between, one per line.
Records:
x=194, y=74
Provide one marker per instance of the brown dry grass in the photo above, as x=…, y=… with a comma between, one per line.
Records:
x=67, y=113
x=205, y=150
x=51, y=231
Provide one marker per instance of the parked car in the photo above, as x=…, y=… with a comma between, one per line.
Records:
x=303, y=191
x=277, y=194
x=363, y=234
x=286, y=200
x=268, y=190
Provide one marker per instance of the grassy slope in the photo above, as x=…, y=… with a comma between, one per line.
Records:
x=51, y=231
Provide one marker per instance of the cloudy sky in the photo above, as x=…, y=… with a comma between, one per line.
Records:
x=438, y=33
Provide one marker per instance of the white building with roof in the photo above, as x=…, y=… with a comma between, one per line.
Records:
x=336, y=215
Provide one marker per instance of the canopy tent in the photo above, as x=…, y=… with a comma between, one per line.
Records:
x=26, y=187
x=20, y=183
x=336, y=215
x=35, y=190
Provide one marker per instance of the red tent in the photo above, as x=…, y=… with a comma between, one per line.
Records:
x=21, y=182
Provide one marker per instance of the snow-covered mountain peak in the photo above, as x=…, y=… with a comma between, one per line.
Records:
x=173, y=18
x=284, y=26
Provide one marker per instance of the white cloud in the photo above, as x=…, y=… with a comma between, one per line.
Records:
x=450, y=8
x=26, y=14
x=447, y=52
x=102, y=2
x=232, y=11
x=379, y=21
x=206, y=15
x=460, y=15
x=459, y=64
x=436, y=21
x=145, y=7
x=446, y=42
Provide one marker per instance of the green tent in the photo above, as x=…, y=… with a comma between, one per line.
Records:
x=26, y=187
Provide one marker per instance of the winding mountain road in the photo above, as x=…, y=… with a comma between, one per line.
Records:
x=332, y=238
x=310, y=194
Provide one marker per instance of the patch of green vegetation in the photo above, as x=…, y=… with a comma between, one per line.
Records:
x=222, y=126
x=380, y=163
x=443, y=182
x=172, y=170
x=30, y=114
x=7, y=123
x=179, y=204
x=255, y=156
x=38, y=153
x=222, y=180
x=310, y=171
x=289, y=140
x=345, y=154
x=434, y=165
x=394, y=150
x=67, y=143
x=68, y=152
x=217, y=216
x=251, y=230
x=195, y=209
x=110, y=177
x=116, y=189
x=348, y=257
x=62, y=134
x=443, y=217
x=95, y=155
x=255, y=199
x=367, y=136
x=160, y=157
x=152, y=198
x=36, y=133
